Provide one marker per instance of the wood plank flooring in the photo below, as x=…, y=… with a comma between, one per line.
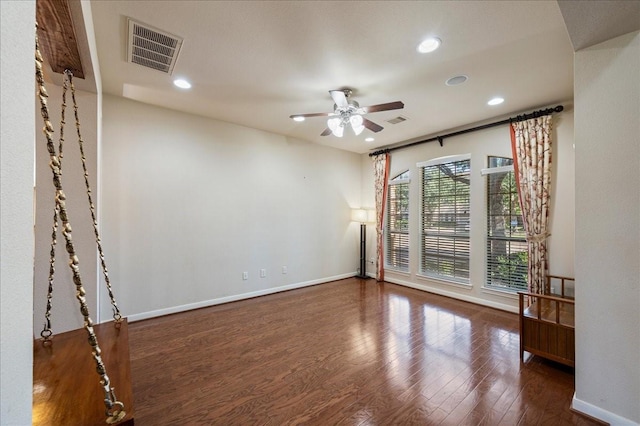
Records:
x=349, y=352
x=57, y=390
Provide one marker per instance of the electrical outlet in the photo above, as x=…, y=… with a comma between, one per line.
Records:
x=245, y=276
x=284, y=270
x=263, y=273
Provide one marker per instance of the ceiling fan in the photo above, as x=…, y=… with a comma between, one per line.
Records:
x=347, y=112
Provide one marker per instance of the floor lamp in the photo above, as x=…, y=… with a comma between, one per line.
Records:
x=363, y=216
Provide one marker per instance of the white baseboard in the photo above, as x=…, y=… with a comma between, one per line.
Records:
x=599, y=413
x=459, y=296
x=233, y=298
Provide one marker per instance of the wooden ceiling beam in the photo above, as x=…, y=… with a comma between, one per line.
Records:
x=57, y=36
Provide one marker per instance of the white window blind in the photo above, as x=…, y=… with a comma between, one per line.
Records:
x=397, y=232
x=506, y=242
x=445, y=223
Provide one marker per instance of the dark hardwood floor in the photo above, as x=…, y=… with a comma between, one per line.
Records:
x=349, y=352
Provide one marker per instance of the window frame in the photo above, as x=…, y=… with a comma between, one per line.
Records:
x=491, y=267
x=459, y=240
x=397, y=266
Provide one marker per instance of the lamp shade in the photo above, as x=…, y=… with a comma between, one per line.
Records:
x=359, y=215
x=371, y=216
x=336, y=125
x=356, y=124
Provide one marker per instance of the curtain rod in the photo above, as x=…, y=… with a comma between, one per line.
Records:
x=534, y=114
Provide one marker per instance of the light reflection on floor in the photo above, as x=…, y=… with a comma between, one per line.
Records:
x=407, y=338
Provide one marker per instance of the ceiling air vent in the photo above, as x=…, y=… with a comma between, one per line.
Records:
x=152, y=48
x=398, y=119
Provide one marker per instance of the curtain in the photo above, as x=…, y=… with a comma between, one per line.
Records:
x=531, y=145
x=381, y=173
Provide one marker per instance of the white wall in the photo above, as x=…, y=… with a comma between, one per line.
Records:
x=16, y=210
x=607, y=104
x=495, y=141
x=65, y=314
x=189, y=203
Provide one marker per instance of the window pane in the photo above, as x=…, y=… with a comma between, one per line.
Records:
x=506, y=242
x=445, y=220
x=397, y=232
x=500, y=161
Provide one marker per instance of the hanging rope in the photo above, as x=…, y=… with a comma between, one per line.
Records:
x=46, y=332
x=114, y=408
x=117, y=317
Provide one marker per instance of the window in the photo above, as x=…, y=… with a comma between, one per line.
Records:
x=444, y=242
x=506, y=242
x=397, y=232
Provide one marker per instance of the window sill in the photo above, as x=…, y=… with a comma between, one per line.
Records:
x=444, y=282
x=502, y=293
x=397, y=271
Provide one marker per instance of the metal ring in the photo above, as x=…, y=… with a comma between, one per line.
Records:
x=115, y=413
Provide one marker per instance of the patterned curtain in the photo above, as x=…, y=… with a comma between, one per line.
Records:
x=381, y=173
x=531, y=145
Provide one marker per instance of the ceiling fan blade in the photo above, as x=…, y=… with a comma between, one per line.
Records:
x=326, y=132
x=313, y=114
x=383, y=107
x=371, y=125
x=339, y=98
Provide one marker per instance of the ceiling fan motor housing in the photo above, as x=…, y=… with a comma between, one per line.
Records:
x=345, y=112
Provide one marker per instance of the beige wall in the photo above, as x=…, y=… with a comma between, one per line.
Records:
x=16, y=214
x=607, y=103
x=190, y=203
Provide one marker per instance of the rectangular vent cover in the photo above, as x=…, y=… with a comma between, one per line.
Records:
x=151, y=47
x=398, y=119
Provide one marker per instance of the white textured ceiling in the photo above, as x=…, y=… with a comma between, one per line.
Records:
x=257, y=63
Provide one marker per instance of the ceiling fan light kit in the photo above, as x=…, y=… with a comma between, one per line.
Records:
x=348, y=113
x=356, y=124
x=336, y=125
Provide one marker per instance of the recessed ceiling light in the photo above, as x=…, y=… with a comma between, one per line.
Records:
x=183, y=84
x=495, y=101
x=369, y=139
x=429, y=45
x=458, y=79
x=298, y=118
